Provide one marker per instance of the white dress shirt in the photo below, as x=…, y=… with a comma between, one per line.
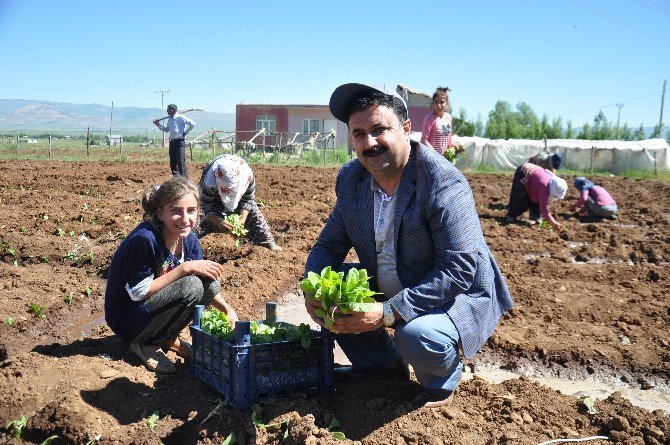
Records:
x=176, y=126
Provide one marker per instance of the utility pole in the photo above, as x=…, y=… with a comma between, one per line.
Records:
x=619, y=106
x=162, y=93
x=111, y=115
x=660, y=120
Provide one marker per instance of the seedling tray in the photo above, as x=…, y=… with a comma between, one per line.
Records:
x=246, y=373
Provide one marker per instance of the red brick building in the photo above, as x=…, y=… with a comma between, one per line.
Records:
x=283, y=121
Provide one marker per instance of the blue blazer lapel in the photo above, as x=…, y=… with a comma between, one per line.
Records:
x=405, y=192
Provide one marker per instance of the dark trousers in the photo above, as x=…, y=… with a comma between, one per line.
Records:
x=519, y=201
x=172, y=307
x=178, y=157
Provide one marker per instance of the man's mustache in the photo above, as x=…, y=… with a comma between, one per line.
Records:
x=377, y=149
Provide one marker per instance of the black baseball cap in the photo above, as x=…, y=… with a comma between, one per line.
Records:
x=342, y=96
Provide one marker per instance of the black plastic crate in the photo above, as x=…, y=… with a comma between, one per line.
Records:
x=246, y=374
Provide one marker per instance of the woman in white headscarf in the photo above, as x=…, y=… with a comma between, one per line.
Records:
x=541, y=186
x=228, y=186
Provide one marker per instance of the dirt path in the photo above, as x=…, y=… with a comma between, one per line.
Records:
x=592, y=301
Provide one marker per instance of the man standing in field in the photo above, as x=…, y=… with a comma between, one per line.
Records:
x=410, y=216
x=176, y=126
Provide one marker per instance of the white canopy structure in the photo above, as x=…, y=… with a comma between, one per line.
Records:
x=611, y=156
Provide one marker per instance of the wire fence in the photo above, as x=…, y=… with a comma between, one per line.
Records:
x=256, y=146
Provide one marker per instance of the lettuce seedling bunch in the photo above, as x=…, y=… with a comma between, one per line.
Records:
x=216, y=323
x=339, y=296
x=234, y=220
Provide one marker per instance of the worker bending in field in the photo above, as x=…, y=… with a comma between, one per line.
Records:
x=539, y=187
x=227, y=187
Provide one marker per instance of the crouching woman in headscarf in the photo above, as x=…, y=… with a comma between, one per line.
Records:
x=540, y=187
x=228, y=186
x=594, y=200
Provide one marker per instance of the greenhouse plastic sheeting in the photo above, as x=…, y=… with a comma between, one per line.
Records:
x=611, y=156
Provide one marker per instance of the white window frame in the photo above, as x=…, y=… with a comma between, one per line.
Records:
x=308, y=124
x=267, y=121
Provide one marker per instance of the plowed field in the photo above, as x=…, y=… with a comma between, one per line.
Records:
x=591, y=302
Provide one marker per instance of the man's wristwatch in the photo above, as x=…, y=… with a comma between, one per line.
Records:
x=389, y=316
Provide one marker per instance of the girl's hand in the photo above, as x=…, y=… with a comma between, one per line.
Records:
x=232, y=318
x=203, y=268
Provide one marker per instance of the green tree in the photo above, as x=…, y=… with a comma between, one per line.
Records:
x=667, y=136
x=639, y=134
x=462, y=126
x=626, y=133
x=569, y=132
x=526, y=124
x=479, y=125
x=496, y=126
x=585, y=133
x=657, y=132
x=601, y=128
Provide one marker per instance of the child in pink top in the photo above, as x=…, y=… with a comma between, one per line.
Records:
x=594, y=200
x=436, y=132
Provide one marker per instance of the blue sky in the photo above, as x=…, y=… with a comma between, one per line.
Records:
x=568, y=58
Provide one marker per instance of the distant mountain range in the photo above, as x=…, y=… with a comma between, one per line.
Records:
x=33, y=116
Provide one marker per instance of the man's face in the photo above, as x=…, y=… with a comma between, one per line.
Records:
x=381, y=141
x=171, y=111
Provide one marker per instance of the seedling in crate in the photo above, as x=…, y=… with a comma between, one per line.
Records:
x=216, y=323
x=48, y=440
x=37, y=310
x=60, y=232
x=237, y=228
x=68, y=299
x=11, y=251
x=88, y=291
x=10, y=321
x=17, y=425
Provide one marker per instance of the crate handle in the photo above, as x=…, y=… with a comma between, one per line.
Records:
x=271, y=312
x=197, y=315
x=243, y=333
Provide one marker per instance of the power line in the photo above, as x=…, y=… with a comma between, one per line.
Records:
x=610, y=105
x=657, y=8
x=621, y=23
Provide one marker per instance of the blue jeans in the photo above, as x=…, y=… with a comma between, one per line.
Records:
x=429, y=343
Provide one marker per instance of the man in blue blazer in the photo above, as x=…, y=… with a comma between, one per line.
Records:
x=410, y=217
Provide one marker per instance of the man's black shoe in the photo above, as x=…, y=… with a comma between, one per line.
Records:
x=399, y=370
